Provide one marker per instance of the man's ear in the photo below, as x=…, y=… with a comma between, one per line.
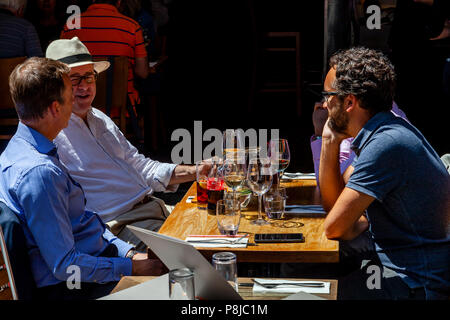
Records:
x=54, y=109
x=349, y=102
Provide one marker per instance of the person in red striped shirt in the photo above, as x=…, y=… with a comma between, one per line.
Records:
x=107, y=32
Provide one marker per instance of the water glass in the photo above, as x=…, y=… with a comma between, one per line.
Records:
x=181, y=284
x=225, y=264
x=228, y=213
x=243, y=194
x=275, y=202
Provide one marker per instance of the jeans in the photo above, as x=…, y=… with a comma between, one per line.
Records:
x=376, y=282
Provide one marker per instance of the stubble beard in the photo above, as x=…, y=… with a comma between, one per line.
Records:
x=339, y=119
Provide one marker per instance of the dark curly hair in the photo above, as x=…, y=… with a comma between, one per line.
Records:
x=368, y=75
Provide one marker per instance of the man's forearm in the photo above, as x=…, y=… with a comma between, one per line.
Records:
x=330, y=178
x=359, y=227
x=182, y=173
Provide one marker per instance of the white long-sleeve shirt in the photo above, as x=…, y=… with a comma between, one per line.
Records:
x=111, y=171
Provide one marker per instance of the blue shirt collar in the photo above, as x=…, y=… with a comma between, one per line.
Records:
x=36, y=139
x=369, y=128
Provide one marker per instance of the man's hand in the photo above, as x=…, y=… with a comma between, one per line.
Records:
x=330, y=179
x=319, y=117
x=205, y=167
x=331, y=135
x=147, y=267
x=140, y=256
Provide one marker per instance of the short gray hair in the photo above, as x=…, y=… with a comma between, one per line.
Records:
x=14, y=4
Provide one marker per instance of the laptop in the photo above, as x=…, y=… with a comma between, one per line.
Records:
x=176, y=253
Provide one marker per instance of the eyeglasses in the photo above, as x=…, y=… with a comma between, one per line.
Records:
x=327, y=94
x=89, y=78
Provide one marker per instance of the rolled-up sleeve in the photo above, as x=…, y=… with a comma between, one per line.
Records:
x=162, y=176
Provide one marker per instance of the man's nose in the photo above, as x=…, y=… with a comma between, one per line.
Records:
x=83, y=84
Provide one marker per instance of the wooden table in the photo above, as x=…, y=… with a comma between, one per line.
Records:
x=245, y=292
x=186, y=219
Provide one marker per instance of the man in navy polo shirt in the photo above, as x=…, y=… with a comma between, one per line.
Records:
x=397, y=187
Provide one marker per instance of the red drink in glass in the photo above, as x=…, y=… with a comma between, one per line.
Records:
x=202, y=194
x=215, y=193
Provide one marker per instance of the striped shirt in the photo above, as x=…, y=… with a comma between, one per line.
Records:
x=106, y=32
x=18, y=37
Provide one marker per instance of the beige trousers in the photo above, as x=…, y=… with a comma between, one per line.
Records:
x=149, y=216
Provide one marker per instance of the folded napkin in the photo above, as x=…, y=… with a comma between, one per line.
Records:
x=298, y=175
x=290, y=289
x=300, y=209
x=217, y=241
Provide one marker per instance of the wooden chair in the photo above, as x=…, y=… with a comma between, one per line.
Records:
x=8, y=115
x=283, y=46
x=7, y=285
x=112, y=88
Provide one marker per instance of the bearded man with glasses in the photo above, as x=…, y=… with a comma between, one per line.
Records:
x=397, y=188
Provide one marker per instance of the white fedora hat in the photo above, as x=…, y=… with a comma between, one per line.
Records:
x=73, y=53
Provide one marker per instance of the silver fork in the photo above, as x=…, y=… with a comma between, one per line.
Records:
x=228, y=241
x=274, y=285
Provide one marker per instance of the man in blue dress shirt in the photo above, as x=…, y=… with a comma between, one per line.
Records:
x=61, y=235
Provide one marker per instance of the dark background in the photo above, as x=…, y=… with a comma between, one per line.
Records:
x=217, y=64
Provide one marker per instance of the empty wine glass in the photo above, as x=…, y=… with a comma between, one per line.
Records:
x=279, y=155
x=259, y=178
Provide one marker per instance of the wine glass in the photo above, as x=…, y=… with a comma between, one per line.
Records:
x=234, y=172
x=259, y=178
x=233, y=142
x=279, y=155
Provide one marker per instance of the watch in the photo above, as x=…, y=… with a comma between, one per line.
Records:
x=131, y=253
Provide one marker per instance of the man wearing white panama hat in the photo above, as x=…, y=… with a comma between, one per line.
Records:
x=117, y=180
x=62, y=236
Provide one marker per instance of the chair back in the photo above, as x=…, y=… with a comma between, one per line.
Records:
x=112, y=90
x=15, y=253
x=8, y=115
x=7, y=65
